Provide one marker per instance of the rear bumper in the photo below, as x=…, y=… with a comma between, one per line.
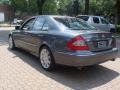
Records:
x=85, y=58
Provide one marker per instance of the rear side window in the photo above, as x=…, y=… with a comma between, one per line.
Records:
x=96, y=20
x=39, y=23
x=85, y=18
x=71, y=23
x=104, y=21
x=45, y=26
x=29, y=24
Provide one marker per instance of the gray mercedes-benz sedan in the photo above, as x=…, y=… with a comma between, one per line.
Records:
x=63, y=40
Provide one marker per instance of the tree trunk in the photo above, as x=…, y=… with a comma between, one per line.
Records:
x=86, y=7
x=76, y=8
x=118, y=12
x=40, y=4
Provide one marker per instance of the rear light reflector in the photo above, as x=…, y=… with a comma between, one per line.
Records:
x=77, y=43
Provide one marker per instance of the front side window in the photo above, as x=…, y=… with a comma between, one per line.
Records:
x=29, y=24
x=39, y=23
x=73, y=23
x=96, y=20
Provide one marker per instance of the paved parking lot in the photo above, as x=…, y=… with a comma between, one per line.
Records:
x=21, y=71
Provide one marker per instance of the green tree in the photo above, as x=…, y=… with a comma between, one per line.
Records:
x=19, y=6
x=75, y=7
x=86, y=7
x=32, y=7
x=118, y=11
x=50, y=7
x=102, y=7
x=5, y=2
x=40, y=4
x=62, y=6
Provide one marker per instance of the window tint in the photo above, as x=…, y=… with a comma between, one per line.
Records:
x=39, y=23
x=73, y=23
x=45, y=26
x=103, y=21
x=85, y=18
x=28, y=25
x=96, y=20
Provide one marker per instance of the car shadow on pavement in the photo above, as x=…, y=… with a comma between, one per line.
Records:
x=71, y=77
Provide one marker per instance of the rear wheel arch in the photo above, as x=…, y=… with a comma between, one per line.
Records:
x=44, y=45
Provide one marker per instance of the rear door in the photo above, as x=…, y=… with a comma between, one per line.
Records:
x=35, y=35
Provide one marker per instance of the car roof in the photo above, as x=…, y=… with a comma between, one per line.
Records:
x=53, y=16
x=90, y=15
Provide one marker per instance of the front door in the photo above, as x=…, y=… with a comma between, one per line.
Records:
x=23, y=37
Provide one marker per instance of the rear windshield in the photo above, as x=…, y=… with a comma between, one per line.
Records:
x=73, y=24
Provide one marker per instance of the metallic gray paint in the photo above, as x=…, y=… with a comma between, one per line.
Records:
x=85, y=58
x=56, y=39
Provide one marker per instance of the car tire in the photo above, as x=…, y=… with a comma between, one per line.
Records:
x=46, y=59
x=112, y=30
x=11, y=43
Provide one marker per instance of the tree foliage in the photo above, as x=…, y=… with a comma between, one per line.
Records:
x=87, y=7
x=66, y=7
x=19, y=5
x=50, y=7
x=40, y=4
x=5, y=2
x=102, y=7
x=32, y=7
x=117, y=6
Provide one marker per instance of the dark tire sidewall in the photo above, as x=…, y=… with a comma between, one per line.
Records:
x=52, y=64
x=13, y=46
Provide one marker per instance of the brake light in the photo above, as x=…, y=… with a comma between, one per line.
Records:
x=114, y=43
x=77, y=43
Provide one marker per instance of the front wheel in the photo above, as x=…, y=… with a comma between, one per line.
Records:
x=46, y=59
x=11, y=43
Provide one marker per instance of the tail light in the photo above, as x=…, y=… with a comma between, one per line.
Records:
x=114, y=43
x=77, y=43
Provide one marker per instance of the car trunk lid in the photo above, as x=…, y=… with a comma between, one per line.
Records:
x=98, y=41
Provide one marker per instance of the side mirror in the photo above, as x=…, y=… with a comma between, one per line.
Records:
x=17, y=27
